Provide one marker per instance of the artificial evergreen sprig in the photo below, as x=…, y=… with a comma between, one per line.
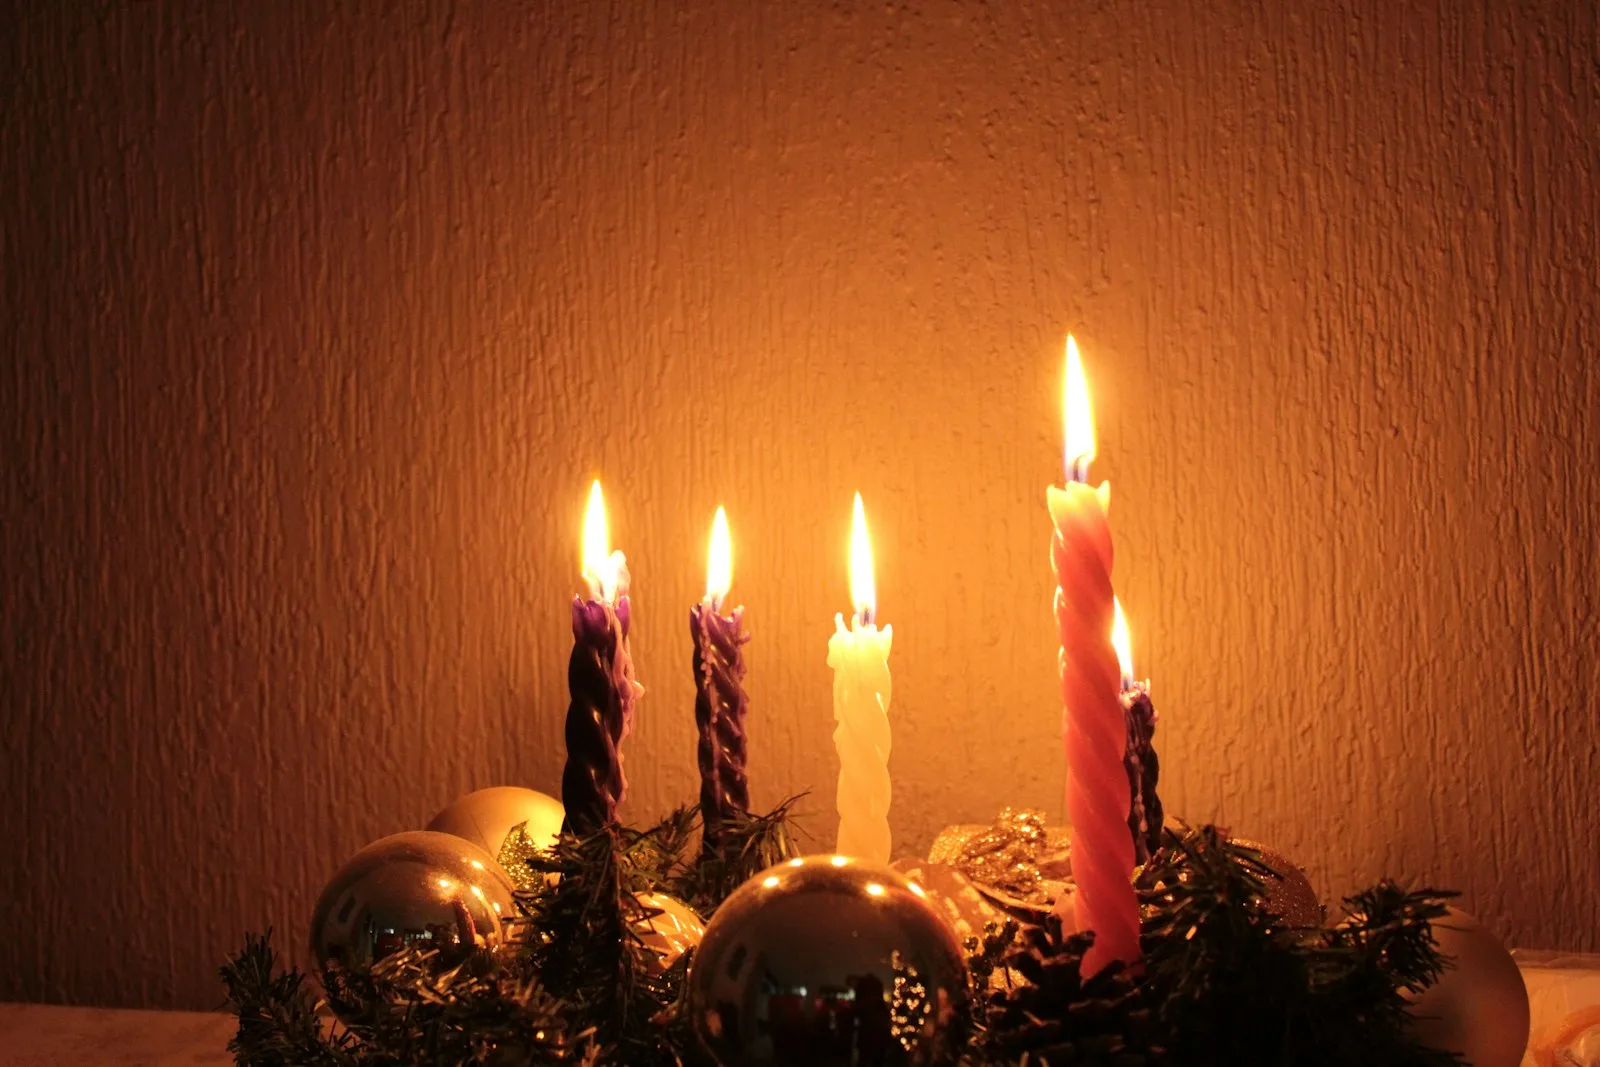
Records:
x=573, y=983
x=1230, y=982
x=408, y=1015
x=580, y=935
x=1222, y=981
x=278, y=1025
x=749, y=844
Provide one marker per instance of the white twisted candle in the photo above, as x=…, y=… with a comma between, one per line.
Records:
x=859, y=657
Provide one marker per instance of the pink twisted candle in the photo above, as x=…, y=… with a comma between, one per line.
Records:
x=1094, y=727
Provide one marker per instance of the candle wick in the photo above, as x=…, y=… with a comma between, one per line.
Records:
x=865, y=615
x=1080, y=469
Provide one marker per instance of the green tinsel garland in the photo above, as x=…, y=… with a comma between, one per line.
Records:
x=1223, y=981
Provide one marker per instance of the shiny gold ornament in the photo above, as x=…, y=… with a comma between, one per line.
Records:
x=506, y=821
x=424, y=889
x=1006, y=855
x=953, y=896
x=1017, y=862
x=830, y=962
x=972, y=912
x=1479, y=1006
x=1573, y=1042
x=1290, y=896
x=518, y=848
x=667, y=927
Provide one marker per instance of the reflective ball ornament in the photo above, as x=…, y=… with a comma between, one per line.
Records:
x=488, y=818
x=668, y=928
x=829, y=962
x=1479, y=1006
x=421, y=888
x=1290, y=895
x=957, y=900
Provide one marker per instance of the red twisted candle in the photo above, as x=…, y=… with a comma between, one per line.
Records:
x=720, y=705
x=1094, y=727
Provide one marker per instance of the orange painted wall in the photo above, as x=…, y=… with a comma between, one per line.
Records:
x=320, y=317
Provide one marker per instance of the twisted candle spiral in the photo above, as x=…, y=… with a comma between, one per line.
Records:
x=1144, y=771
x=859, y=657
x=1095, y=733
x=603, y=693
x=720, y=709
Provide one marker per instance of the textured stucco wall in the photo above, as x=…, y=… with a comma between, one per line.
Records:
x=320, y=317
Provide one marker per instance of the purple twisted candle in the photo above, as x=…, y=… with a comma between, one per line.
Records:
x=1139, y=759
x=600, y=683
x=599, y=716
x=719, y=701
x=720, y=707
x=1144, y=769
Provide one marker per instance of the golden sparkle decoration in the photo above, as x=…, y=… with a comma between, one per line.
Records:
x=508, y=822
x=1006, y=855
x=515, y=852
x=1290, y=895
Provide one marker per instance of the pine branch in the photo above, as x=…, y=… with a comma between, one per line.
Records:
x=1233, y=984
x=278, y=1025
x=582, y=938
x=1222, y=981
x=749, y=844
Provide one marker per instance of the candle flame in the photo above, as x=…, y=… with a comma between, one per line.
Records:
x=599, y=562
x=1077, y=419
x=863, y=588
x=1119, y=641
x=719, y=568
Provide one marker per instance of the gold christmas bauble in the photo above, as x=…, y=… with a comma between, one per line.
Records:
x=1290, y=895
x=486, y=816
x=506, y=821
x=667, y=927
x=968, y=912
x=1479, y=1006
x=829, y=962
x=421, y=888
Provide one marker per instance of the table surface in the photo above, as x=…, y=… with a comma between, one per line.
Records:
x=45, y=1035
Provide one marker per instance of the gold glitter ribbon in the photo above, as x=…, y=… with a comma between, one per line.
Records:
x=1006, y=855
x=515, y=851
